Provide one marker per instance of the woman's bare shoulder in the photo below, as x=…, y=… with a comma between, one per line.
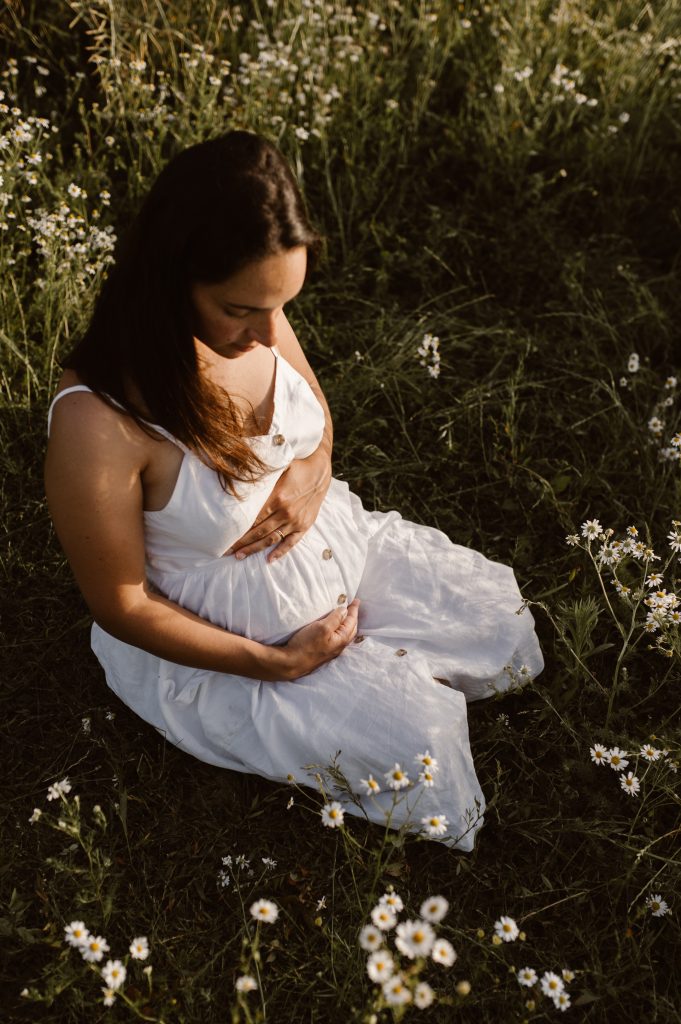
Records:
x=86, y=415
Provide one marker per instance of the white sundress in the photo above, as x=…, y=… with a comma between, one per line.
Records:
x=429, y=608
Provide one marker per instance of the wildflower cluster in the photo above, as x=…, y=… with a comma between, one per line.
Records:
x=551, y=984
x=396, y=779
x=630, y=559
x=658, y=423
x=262, y=911
x=618, y=760
x=68, y=245
x=93, y=947
x=399, y=980
x=429, y=355
x=669, y=446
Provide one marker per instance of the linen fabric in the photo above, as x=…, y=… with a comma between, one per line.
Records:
x=439, y=625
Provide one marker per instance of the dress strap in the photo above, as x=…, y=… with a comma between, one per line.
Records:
x=66, y=391
x=83, y=387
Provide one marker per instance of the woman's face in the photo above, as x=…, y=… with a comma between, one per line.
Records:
x=244, y=311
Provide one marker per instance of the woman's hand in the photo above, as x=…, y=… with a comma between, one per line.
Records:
x=290, y=509
x=321, y=641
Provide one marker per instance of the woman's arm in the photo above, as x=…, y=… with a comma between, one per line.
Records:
x=296, y=498
x=93, y=469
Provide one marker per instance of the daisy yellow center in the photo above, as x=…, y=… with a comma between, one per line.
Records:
x=655, y=905
x=419, y=936
x=398, y=775
x=553, y=984
x=333, y=814
x=434, y=821
x=94, y=946
x=507, y=927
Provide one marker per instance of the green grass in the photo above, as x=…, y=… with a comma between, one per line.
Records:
x=450, y=215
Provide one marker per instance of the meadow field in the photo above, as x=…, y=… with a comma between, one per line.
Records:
x=495, y=324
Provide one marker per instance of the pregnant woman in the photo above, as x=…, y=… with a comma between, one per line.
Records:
x=244, y=602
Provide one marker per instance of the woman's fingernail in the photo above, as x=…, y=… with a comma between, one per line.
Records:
x=240, y=555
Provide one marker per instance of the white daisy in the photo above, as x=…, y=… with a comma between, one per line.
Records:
x=109, y=996
x=427, y=761
x=551, y=984
x=245, y=983
x=568, y=975
x=634, y=362
x=527, y=976
x=36, y=814
x=59, y=789
x=371, y=785
x=561, y=1001
x=370, y=938
x=139, y=948
x=265, y=910
x=380, y=965
x=434, y=909
x=630, y=784
x=414, y=938
x=599, y=753
x=591, y=529
x=395, y=992
x=506, y=929
x=423, y=995
x=443, y=952
x=427, y=778
x=114, y=973
x=616, y=758
x=572, y=539
x=436, y=824
x=383, y=917
x=332, y=815
x=396, y=778
x=76, y=934
x=393, y=900
x=657, y=906
x=650, y=753
x=94, y=948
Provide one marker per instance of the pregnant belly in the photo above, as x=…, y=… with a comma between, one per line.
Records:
x=268, y=602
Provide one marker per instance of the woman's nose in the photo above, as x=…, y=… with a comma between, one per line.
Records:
x=266, y=331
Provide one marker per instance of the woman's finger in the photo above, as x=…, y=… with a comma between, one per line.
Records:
x=257, y=539
x=289, y=541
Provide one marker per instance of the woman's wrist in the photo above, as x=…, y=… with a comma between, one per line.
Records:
x=278, y=663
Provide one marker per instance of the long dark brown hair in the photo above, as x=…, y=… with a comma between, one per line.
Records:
x=214, y=208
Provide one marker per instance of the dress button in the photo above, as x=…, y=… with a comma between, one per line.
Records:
x=327, y=553
x=278, y=439
x=400, y=652
x=358, y=639
x=342, y=598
